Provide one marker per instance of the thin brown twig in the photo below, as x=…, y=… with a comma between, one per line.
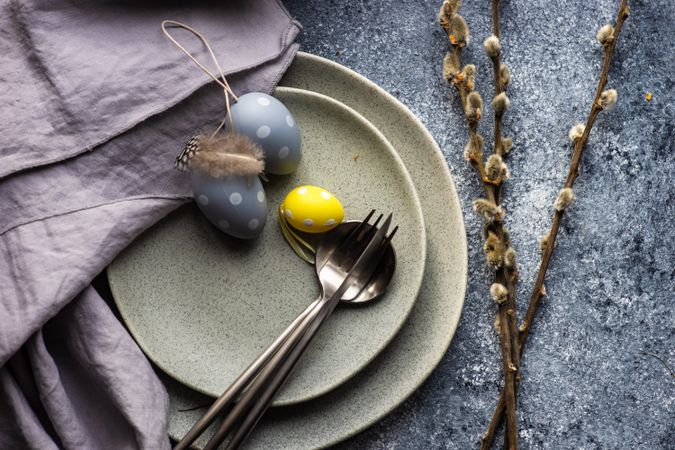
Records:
x=510, y=437
x=496, y=69
x=538, y=289
x=509, y=367
x=513, y=330
x=665, y=364
x=495, y=17
x=502, y=276
x=507, y=311
x=461, y=88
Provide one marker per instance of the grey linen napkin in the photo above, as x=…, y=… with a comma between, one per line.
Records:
x=96, y=104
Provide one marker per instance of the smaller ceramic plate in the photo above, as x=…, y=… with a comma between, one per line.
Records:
x=203, y=305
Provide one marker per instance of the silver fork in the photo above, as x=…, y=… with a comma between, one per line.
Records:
x=352, y=266
x=336, y=279
x=346, y=268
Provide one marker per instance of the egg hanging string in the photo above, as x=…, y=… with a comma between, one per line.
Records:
x=300, y=246
x=222, y=81
x=246, y=160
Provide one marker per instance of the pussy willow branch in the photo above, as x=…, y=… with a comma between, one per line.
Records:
x=511, y=276
x=502, y=277
x=495, y=18
x=573, y=172
x=496, y=69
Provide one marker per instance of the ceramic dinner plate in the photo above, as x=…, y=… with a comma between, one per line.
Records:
x=203, y=305
x=421, y=343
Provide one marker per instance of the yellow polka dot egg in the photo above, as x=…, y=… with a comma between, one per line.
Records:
x=312, y=209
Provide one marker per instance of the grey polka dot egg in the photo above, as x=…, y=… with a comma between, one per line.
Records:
x=267, y=122
x=235, y=204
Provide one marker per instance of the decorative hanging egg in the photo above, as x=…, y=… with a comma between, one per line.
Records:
x=268, y=123
x=312, y=209
x=235, y=204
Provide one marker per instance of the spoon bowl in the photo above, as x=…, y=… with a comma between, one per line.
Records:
x=382, y=275
x=352, y=254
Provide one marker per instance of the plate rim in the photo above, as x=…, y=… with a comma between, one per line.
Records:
x=438, y=155
x=419, y=268
x=448, y=328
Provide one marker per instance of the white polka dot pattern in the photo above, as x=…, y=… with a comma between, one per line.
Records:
x=263, y=132
x=253, y=224
x=315, y=210
x=271, y=125
x=235, y=198
x=231, y=203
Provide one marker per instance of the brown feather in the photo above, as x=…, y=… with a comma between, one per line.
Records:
x=227, y=153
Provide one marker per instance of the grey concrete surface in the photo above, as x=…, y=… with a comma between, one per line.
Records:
x=589, y=380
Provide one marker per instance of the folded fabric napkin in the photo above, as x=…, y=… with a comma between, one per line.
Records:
x=96, y=104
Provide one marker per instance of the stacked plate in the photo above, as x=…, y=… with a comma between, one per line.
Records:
x=203, y=306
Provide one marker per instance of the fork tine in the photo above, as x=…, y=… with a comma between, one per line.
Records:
x=367, y=255
x=354, y=234
x=351, y=237
x=366, y=235
x=353, y=243
x=250, y=410
x=392, y=234
x=384, y=246
x=359, y=230
x=369, y=216
x=377, y=222
x=386, y=224
x=376, y=235
x=351, y=253
x=362, y=232
x=255, y=402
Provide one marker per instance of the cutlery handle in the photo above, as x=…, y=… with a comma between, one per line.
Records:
x=243, y=380
x=258, y=397
x=265, y=386
x=259, y=408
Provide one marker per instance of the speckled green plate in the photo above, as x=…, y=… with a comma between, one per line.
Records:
x=203, y=305
x=419, y=346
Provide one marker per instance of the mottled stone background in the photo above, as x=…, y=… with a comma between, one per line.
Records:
x=588, y=381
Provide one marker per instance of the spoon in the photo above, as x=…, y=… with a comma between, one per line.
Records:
x=381, y=277
x=353, y=262
x=373, y=289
